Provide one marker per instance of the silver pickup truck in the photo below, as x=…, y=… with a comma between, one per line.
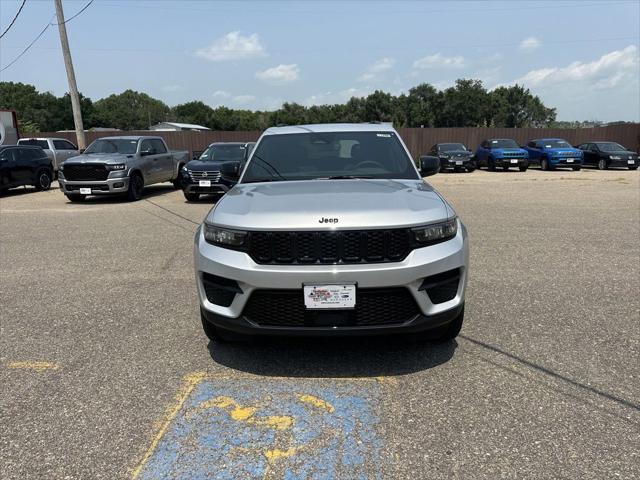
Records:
x=120, y=165
x=57, y=149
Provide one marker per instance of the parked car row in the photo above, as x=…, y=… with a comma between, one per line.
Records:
x=126, y=164
x=548, y=153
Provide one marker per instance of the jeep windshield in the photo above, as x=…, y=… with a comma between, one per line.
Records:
x=556, y=144
x=451, y=147
x=503, y=144
x=113, y=145
x=223, y=153
x=329, y=155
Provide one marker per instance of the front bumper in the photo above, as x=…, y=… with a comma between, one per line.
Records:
x=456, y=162
x=624, y=163
x=564, y=162
x=408, y=274
x=509, y=162
x=103, y=187
x=191, y=187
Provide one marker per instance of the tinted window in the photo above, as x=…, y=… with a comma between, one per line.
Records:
x=306, y=156
x=503, y=143
x=158, y=145
x=113, y=145
x=27, y=154
x=224, y=153
x=610, y=146
x=64, y=145
x=5, y=155
x=556, y=144
x=34, y=143
x=449, y=147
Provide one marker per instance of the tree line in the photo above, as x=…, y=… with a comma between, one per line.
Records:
x=466, y=104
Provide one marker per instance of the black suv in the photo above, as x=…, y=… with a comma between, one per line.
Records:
x=216, y=170
x=24, y=165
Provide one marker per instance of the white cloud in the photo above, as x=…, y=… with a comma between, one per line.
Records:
x=376, y=69
x=173, y=88
x=233, y=46
x=529, y=44
x=437, y=60
x=280, y=74
x=606, y=72
x=220, y=94
x=327, y=98
x=243, y=99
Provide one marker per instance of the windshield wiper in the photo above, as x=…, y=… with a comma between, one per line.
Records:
x=345, y=177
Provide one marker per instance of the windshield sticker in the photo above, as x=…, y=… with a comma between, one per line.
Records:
x=385, y=135
x=494, y=141
x=547, y=146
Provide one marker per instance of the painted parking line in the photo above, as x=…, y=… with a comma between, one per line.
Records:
x=272, y=428
x=37, y=366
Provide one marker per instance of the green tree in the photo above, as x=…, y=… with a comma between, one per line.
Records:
x=516, y=107
x=130, y=110
x=193, y=112
x=463, y=105
x=37, y=108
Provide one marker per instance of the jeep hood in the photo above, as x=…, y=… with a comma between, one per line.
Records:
x=356, y=204
x=199, y=166
x=99, y=158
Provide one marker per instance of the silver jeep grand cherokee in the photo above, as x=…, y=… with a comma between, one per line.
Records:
x=332, y=231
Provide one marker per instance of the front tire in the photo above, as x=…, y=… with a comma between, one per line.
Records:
x=177, y=183
x=576, y=168
x=191, y=197
x=491, y=166
x=523, y=168
x=43, y=180
x=136, y=185
x=602, y=164
x=471, y=168
x=633, y=168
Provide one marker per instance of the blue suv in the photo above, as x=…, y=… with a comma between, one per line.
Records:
x=550, y=153
x=501, y=152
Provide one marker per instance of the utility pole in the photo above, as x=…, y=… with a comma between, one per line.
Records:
x=71, y=76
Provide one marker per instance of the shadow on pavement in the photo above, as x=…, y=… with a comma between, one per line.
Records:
x=338, y=357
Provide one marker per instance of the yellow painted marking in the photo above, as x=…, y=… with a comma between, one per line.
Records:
x=389, y=380
x=188, y=384
x=276, y=453
x=316, y=402
x=245, y=414
x=38, y=366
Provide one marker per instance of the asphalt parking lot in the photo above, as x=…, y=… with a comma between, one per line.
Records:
x=105, y=371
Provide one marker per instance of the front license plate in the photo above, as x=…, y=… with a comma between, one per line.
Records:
x=630, y=162
x=458, y=162
x=570, y=160
x=329, y=296
x=205, y=183
x=514, y=161
x=85, y=191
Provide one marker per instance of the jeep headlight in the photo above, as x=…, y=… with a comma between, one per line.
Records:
x=615, y=157
x=223, y=236
x=436, y=232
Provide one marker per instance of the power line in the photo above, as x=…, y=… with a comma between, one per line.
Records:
x=14, y=19
x=79, y=12
x=50, y=24
x=46, y=27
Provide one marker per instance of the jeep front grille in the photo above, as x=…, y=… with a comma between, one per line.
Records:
x=213, y=175
x=349, y=246
x=374, y=306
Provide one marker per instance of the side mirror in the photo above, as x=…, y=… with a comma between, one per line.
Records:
x=81, y=151
x=231, y=169
x=429, y=165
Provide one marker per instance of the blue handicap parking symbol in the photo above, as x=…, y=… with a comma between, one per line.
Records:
x=271, y=429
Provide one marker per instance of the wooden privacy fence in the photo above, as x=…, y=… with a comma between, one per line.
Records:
x=418, y=140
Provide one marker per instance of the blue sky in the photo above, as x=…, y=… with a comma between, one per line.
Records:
x=581, y=57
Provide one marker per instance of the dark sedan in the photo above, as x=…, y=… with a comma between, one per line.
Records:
x=608, y=154
x=216, y=170
x=453, y=156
